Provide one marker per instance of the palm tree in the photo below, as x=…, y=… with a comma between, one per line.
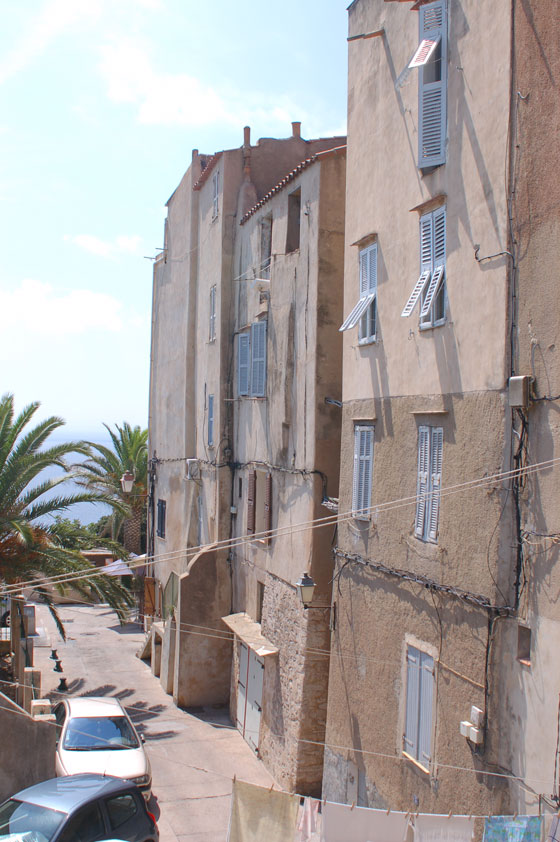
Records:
x=102, y=474
x=32, y=549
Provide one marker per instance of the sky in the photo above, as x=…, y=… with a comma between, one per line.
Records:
x=101, y=104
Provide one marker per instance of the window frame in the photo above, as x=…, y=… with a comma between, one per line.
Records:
x=419, y=706
x=432, y=95
x=365, y=311
x=210, y=429
x=161, y=511
x=362, y=483
x=431, y=285
x=428, y=483
x=252, y=360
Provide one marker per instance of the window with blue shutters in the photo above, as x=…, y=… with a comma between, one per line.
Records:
x=363, y=471
x=365, y=311
x=417, y=739
x=431, y=60
x=160, y=524
x=212, y=319
x=251, y=361
x=210, y=420
x=430, y=288
x=428, y=488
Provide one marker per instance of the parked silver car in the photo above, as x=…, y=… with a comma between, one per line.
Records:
x=87, y=808
x=96, y=735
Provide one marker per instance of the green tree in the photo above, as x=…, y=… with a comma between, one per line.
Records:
x=102, y=473
x=32, y=546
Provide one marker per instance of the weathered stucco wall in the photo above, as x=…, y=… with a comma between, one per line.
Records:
x=24, y=737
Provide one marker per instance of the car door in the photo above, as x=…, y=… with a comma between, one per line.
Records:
x=85, y=825
x=126, y=817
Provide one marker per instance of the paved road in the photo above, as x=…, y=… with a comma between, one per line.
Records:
x=194, y=755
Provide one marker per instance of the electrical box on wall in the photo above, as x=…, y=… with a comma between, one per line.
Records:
x=520, y=391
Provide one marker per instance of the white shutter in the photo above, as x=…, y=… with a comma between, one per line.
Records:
x=426, y=257
x=368, y=290
x=426, y=705
x=243, y=364
x=364, y=272
x=436, y=460
x=358, y=311
x=439, y=237
x=412, y=701
x=422, y=480
x=432, y=290
x=258, y=359
x=416, y=292
x=363, y=471
x=424, y=52
x=432, y=95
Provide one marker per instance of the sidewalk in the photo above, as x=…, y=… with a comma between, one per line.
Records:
x=194, y=755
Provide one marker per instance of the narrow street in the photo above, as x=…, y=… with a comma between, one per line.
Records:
x=194, y=755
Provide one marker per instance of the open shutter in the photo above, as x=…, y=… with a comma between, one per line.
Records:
x=432, y=87
x=412, y=701
x=415, y=294
x=426, y=256
x=424, y=52
x=432, y=290
x=426, y=706
x=436, y=459
x=268, y=506
x=258, y=359
x=358, y=311
x=251, y=495
x=243, y=364
x=422, y=480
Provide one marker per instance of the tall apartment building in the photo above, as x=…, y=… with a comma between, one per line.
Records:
x=245, y=348
x=442, y=693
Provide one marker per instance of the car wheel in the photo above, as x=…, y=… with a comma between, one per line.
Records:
x=5, y=619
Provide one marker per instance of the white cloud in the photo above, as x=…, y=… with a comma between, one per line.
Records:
x=170, y=99
x=37, y=310
x=94, y=245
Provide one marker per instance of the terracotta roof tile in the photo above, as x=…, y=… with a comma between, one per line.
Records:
x=207, y=169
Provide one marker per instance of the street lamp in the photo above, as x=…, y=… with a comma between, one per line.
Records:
x=305, y=587
x=127, y=481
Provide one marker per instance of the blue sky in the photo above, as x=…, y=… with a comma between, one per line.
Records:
x=101, y=105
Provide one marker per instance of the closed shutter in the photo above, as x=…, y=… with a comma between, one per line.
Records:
x=436, y=459
x=251, y=495
x=368, y=320
x=258, y=359
x=212, y=313
x=364, y=272
x=412, y=701
x=422, y=479
x=243, y=364
x=149, y=596
x=426, y=704
x=268, y=506
x=439, y=237
x=432, y=87
x=363, y=470
x=210, y=420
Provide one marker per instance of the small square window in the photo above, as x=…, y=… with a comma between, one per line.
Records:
x=294, y=217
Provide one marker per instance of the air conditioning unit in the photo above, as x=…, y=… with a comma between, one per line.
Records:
x=193, y=469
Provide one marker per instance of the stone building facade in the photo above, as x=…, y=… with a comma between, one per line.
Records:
x=431, y=671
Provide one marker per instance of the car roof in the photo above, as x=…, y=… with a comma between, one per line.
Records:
x=67, y=793
x=94, y=706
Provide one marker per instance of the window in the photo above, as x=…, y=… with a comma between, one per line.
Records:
x=86, y=826
x=417, y=740
x=266, y=246
x=428, y=490
x=524, y=645
x=260, y=601
x=210, y=420
x=431, y=60
x=365, y=311
x=212, y=326
x=251, y=361
x=430, y=287
x=215, y=194
x=121, y=809
x=160, y=526
x=259, y=504
x=294, y=216
x=363, y=471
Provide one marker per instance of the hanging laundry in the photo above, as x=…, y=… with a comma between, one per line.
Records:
x=513, y=829
x=435, y=828
x=342, y=823
x=308, y=824
x=258, y=814
x=553, y=834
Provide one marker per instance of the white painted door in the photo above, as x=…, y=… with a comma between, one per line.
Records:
x=254, y=700
x=242, y=686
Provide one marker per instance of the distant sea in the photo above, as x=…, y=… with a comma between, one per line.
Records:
x=84, y=512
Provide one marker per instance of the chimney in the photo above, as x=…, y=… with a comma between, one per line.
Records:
x=296, y=129
x=247, y=136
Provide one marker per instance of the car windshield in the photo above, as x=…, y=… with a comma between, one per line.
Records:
x=24, y=822
x=93, y=733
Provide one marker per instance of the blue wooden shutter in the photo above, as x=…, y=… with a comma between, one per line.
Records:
x=243, y=364
x=432, y=95
x=210, y=420
x=412, y=701
x=436, y=460
x=422, y=479
x=426, y=706
x=258, y=359
x=212, y=329
x=363, y=471
x=426, y=262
